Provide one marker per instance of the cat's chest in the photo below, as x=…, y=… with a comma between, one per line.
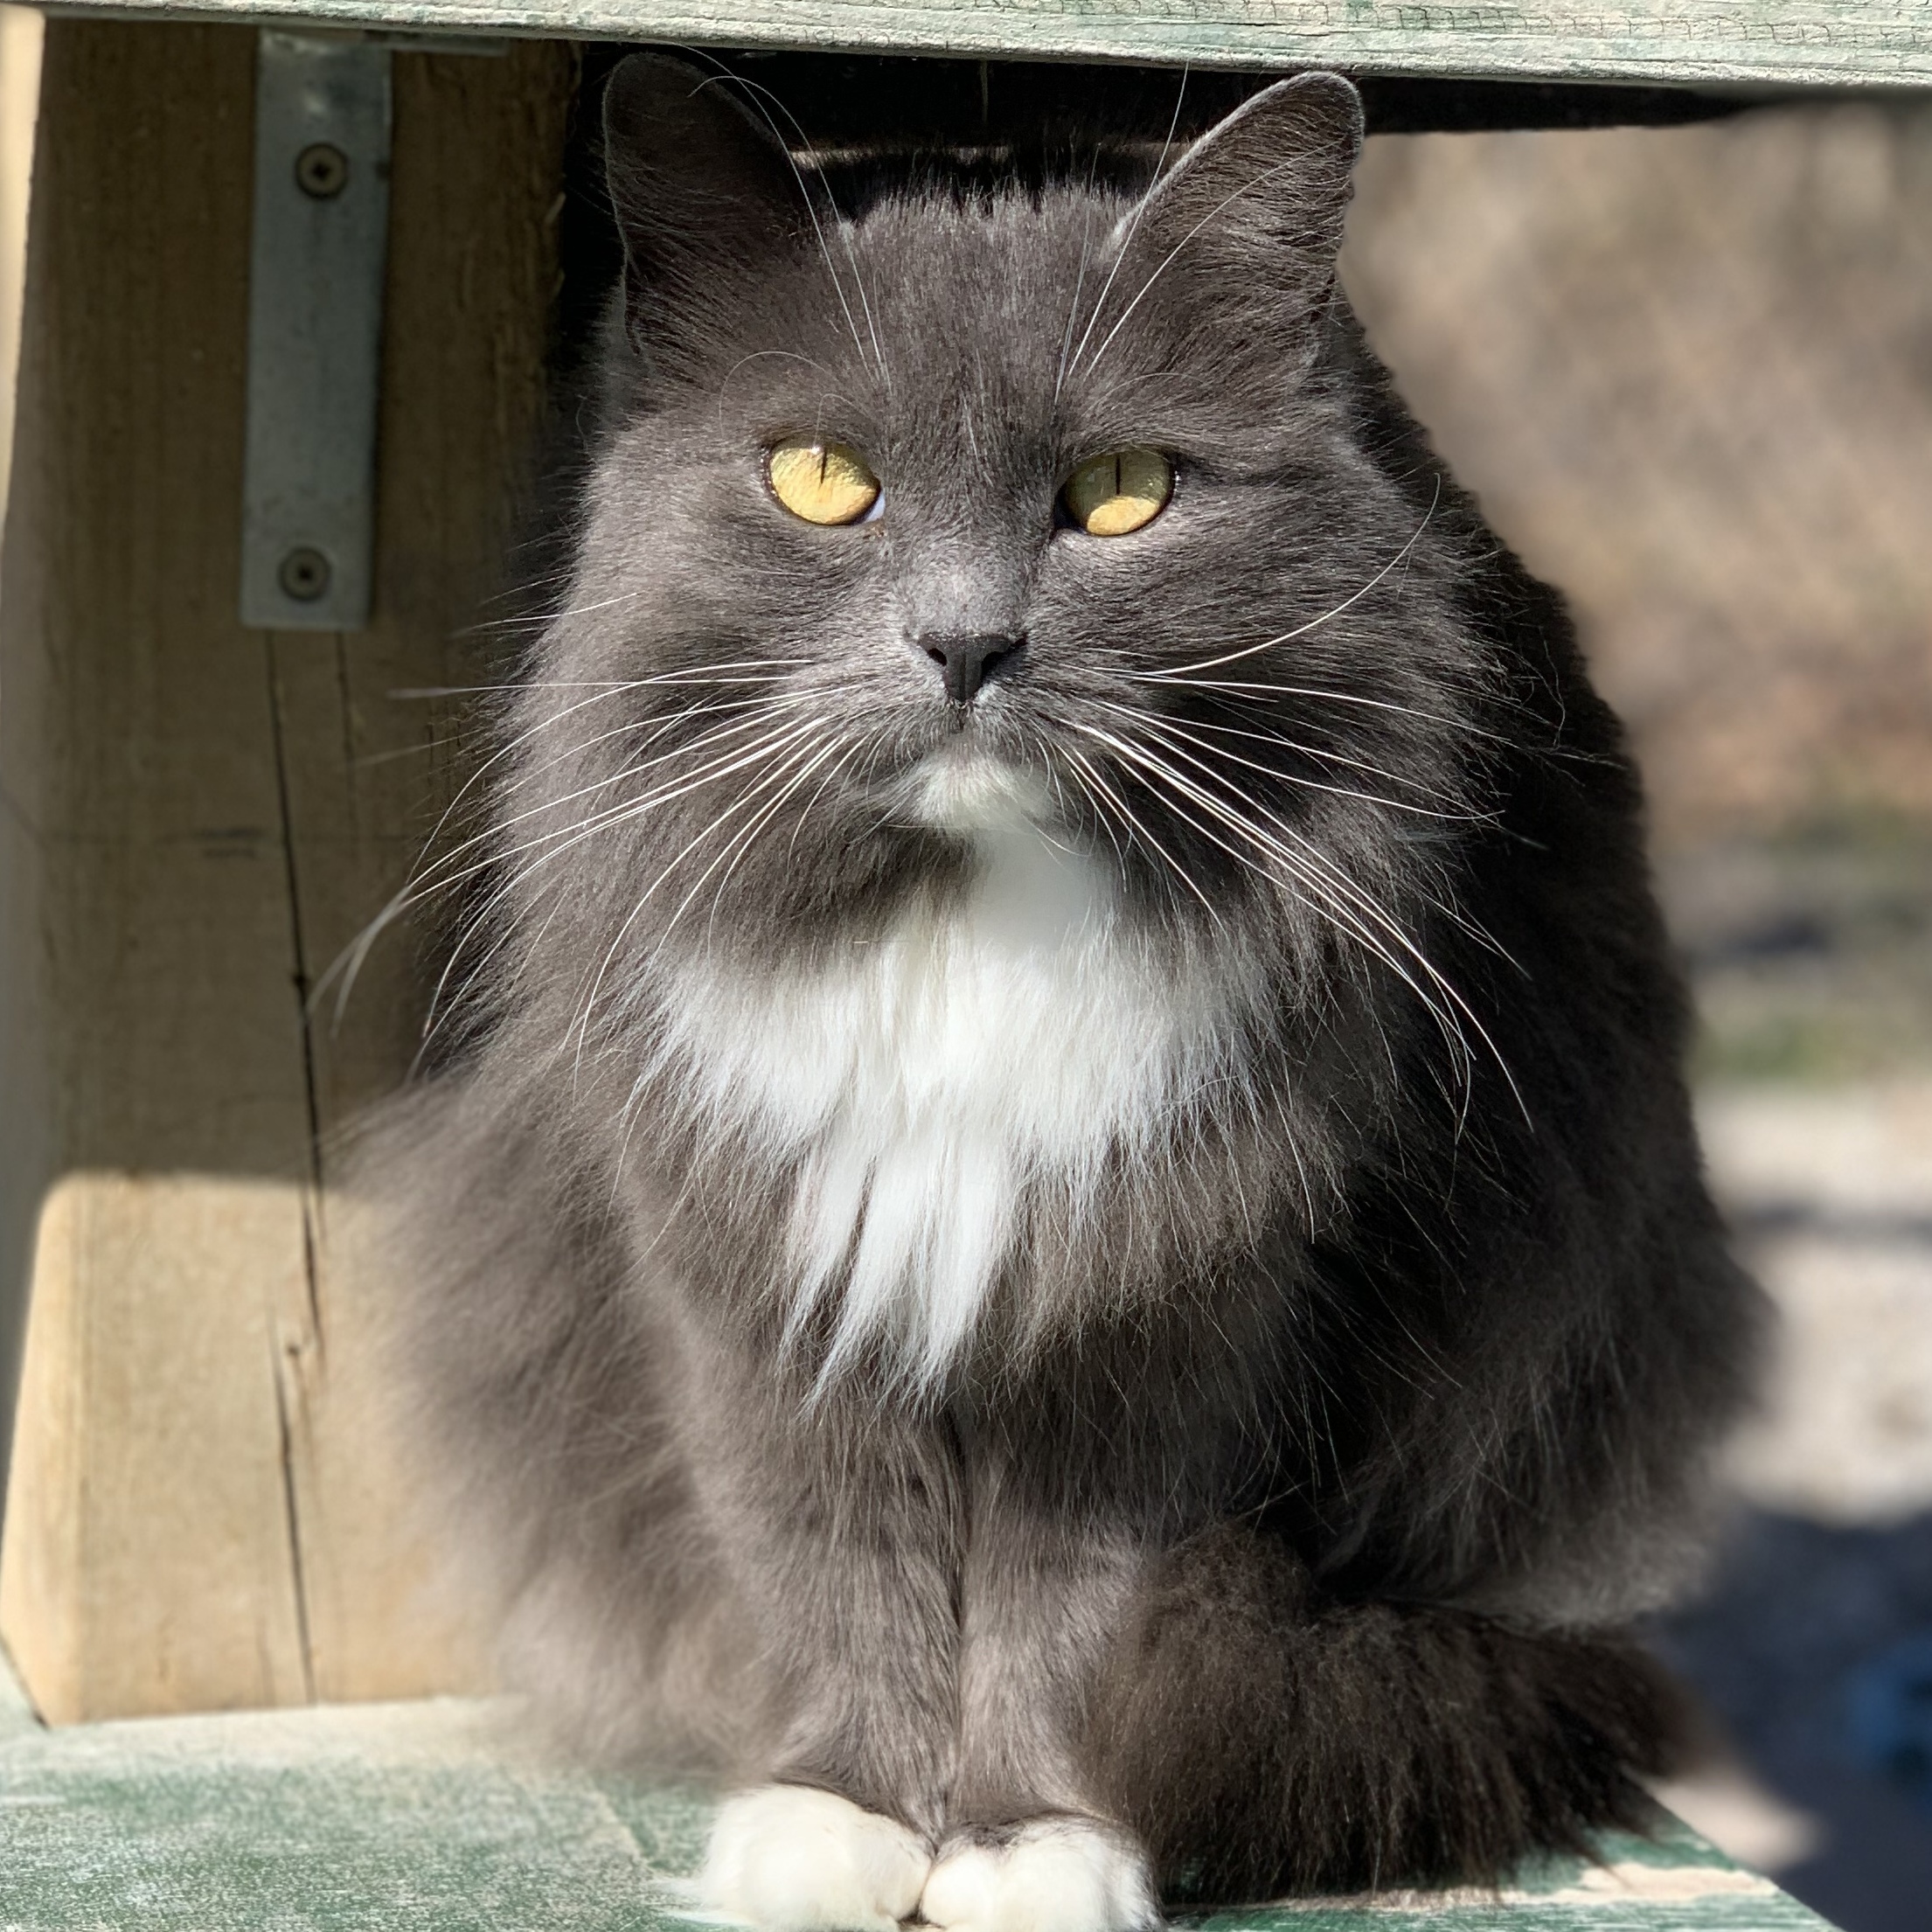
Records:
x=921, y=1085
x=1023, y=1011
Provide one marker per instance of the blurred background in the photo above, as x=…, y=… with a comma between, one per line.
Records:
x=1688, y=372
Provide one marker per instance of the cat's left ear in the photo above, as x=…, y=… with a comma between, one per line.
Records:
x=1255, y=205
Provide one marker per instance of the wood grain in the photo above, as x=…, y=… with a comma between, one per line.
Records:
x=367, y=761
x=1765, y=43
x=152, y=1037
x=201, y=1511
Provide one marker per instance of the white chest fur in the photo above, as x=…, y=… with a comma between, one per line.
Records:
x=929, y=1081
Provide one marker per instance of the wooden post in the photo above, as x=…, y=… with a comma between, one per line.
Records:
x=194, y=819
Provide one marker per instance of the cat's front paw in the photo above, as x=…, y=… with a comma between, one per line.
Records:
x=786, y=1858
x=1053, y=1875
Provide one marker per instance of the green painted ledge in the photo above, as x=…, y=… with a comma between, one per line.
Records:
x=1758, y=44
x=425, y=1818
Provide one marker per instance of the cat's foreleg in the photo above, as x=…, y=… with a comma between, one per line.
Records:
x=1262, y=1741
x=840, y=1530
x=1029, y=1845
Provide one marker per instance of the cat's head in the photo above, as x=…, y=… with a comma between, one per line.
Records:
x=946, y=496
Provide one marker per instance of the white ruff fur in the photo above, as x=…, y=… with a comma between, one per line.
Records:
x=929, y=1081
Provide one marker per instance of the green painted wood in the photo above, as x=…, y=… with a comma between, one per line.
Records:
x=435, y=1817
x=1760, y=43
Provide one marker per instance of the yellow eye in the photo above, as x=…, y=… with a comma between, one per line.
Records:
x=824, y=482
x=1115, y=494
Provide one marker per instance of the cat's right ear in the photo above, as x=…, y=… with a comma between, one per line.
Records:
x=704, y=192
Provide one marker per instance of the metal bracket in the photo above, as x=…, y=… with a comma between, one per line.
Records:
x=315, y=330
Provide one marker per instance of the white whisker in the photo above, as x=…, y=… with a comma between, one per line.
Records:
x=566, y=839
x=1314, y=871
x=1321, y=754
x=758, y=94
x=1137, y=830
x=1169, y=728
x=1133, y=222
x=1314, y=623
x=1167, y=261
x=716, y=822
x=1322, y=693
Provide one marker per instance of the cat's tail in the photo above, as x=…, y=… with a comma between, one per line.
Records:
x=1263, y=1742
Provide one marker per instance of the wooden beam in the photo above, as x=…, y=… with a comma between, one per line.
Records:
x=1754, y=43
x=198, y=817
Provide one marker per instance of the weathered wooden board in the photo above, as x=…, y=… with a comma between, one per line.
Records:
x=153, y=1046
x=20, y=33
x=20, y=39
x=1776, y=42
x=197, y=817
x=427, y=1817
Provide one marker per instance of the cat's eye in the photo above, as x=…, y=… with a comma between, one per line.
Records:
x=824, y=482
x=1119, y=492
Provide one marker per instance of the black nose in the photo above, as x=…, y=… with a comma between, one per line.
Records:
x=967, y=663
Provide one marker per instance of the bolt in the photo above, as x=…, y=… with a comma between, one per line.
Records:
x=304, y=574
x=322, y=171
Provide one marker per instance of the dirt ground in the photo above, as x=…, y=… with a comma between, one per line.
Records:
x=1813, y=1645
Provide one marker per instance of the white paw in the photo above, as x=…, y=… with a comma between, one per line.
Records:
x=788, y=1858
x=1057, y=1875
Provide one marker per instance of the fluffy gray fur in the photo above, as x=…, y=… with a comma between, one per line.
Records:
x=1342, y=1369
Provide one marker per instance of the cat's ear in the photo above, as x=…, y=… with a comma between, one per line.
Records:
x=702, y=191
x=1255, y=206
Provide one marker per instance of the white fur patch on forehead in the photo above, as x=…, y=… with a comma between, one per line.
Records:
x=926, y=1083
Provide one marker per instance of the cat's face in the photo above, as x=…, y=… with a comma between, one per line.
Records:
x=950, y=504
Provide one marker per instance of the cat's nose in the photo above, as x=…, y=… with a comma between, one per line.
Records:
x=967, y=663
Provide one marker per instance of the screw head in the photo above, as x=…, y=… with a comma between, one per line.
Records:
x=303, y=574
x=322, y=171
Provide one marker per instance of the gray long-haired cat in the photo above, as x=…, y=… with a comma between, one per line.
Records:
x=1066, y=1247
